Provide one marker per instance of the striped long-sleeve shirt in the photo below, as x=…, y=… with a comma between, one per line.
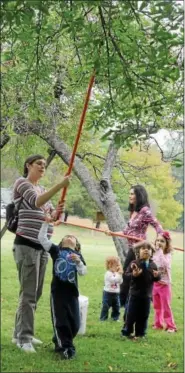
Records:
x=30, y=216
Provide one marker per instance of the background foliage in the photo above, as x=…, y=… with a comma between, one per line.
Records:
x=49, y=51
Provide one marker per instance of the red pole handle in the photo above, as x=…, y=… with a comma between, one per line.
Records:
x=64, y=191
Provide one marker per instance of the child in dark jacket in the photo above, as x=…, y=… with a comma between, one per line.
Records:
x=142, y=272
x=67, y=263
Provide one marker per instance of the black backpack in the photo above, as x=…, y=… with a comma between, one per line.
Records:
x=12, y=216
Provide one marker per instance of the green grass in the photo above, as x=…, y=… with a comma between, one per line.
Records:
x=101, y=348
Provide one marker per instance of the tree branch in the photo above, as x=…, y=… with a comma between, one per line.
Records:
x=110, y=160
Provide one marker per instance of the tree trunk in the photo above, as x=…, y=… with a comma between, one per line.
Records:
x=101, y=192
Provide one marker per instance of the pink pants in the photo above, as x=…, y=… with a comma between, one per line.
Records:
x=161, y=304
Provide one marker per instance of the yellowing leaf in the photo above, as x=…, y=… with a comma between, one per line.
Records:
x=172, y=365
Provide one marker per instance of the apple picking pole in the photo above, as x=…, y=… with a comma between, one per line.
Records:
x=103, y=231
x=64, y=190
x=114, y=234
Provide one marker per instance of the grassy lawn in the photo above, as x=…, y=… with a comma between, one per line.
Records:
x=101, y=348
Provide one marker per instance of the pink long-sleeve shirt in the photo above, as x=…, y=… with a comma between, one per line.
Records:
x=138, y=225
x=163, y=262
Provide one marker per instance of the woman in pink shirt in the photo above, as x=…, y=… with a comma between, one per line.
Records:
x=140, y=218
x=162, y=289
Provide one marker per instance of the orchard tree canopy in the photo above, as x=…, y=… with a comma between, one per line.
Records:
x=49, y=51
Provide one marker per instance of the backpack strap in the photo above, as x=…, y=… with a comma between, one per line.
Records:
x=19, y=205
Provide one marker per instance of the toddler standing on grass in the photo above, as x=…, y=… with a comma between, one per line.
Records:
x=142, y=272
x=67, y=263
x=111, y=292
x=162, y=289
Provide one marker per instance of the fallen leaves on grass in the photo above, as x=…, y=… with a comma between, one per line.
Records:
x=172, y=365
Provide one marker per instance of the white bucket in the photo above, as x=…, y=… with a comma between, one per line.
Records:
x=83, y=305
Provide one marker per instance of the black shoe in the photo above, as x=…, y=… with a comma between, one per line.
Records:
x=68, y=354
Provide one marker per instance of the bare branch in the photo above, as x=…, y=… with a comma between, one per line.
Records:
x=110, y=160
x=89, y=154
x=164, y=157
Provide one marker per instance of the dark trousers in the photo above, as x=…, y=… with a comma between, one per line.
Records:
x=125, y=313
x=124, y=291
x=110, y=300
x=124, y=287
x=66, y=320
x=137, y=313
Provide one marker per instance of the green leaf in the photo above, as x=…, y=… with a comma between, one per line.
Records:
x=148, y=73
x=177, y=162
x=106, y=135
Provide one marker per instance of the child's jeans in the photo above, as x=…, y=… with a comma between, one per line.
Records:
x=162, y=309
x=110, y=300
x=137, y=314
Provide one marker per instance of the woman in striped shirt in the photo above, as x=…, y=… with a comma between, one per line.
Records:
x=29, y=255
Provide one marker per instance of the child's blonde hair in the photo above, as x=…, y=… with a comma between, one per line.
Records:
x=111, y=261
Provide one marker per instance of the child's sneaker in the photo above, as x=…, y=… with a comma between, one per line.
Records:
x=135, y=338
x=140, y=338
x=27, y=347
x=68, y=354
x=125, y=337
x=171, y=330
x=36, y=341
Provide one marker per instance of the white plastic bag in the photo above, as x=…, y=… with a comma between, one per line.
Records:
x=83, y=305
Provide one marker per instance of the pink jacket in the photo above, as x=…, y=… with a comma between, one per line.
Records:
x=163, y=262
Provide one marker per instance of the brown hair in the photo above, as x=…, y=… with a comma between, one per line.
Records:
x=143, y=244
x=78, y=245
x=31, y=159
x=168, y=240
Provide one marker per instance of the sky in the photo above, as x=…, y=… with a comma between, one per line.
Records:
x=161, y=136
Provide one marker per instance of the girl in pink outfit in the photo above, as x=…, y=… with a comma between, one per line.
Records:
x=162, y=289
